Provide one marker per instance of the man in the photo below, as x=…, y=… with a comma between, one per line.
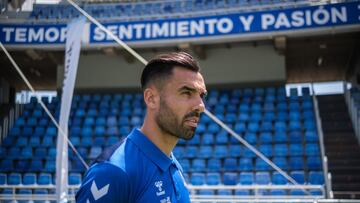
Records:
x=142, y=167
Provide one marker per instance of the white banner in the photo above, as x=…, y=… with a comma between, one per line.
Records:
x=72, y=52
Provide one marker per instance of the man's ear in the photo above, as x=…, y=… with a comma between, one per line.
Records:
x=151, y=97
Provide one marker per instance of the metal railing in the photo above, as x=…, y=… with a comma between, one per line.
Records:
x=354, y=110
x=327, y=175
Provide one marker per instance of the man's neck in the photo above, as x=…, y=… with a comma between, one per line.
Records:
x=165, y=142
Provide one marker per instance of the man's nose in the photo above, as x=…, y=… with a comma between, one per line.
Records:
x=200, y=105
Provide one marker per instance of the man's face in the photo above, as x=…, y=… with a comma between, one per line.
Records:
x=181, y=103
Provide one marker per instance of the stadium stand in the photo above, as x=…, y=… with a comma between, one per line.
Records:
x=158, y=9
x=208, y=159
x=283, y=125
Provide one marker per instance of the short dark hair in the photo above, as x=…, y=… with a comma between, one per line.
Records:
x=162, y=66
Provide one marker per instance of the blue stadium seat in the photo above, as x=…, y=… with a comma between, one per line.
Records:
x=262, y=178
x=214, y=165
x=296, y=163
x=27, y=152
x=280, y=126
x=185, y=164
x=8, y=141
x=280, y=137
x=205, y=152
x=94, y=152
x=77, y=166
x=32, y=122
x=281, y=162
x=240, y=127
x=213, y=128
x=281, y=150
x=112, y=131
x=50, y=165
x=191, y=152
x=198, y=178
x=99, y=131
x=75, y=140
x=207, y=139
x=3, y=179
x=247, y=153
x=311, y=136
x=51, y=131
x=51, y=153
x=101, y=121
x=298, y=176
x=316, y=178
x=99, y=141
x=13, y=152
x=44, y=179
x=213, y=178
x=194, y=141
x=29, y=179
x=39, y=131
x=86, y=142
x=14, y=179
x=266, y=126
x=296, y=149
x=36, y=165
x=246, y=178
x=22, y=165
x=206, y=192
x=22, y=142
x=224, y=192
x=246, y=164
x=222, y=137
x=34, y=141
x=312, y=149
x=278, y=179
x=198, y=165
x=220, y=151
x=7, y=165
x=243, y=116
x=86, y=132
x=235, y=150
x=74, y=179
x=47, y=141
x=266, y=149
x=230, y=178
x=314, y=163
x=295, y=136
x=179, y=152
x=261, y=165
x=266, y=137
x=230, y=164
x=269, y=117
x=309, y=125
x=250, y=137
x=253, y=127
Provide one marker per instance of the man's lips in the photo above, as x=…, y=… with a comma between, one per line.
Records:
x=193, y=121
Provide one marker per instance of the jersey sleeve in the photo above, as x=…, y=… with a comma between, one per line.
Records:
x=104, y=182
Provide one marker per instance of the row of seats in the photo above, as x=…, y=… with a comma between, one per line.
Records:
x=38, y=165
x=35, y=179
x=250, y=164
x=190, y=151
x=196, y=178
x=146, y=9
x=257, y=178
x=269, y=150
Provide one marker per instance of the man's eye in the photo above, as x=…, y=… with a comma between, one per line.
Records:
x=187, y=93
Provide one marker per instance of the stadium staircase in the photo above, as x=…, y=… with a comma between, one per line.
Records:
x=341, y=146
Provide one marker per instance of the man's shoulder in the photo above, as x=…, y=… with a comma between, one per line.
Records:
x=104, y=182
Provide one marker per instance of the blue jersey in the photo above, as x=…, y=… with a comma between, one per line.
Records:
x=135, y=172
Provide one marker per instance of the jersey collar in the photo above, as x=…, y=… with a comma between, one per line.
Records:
x=150, y=149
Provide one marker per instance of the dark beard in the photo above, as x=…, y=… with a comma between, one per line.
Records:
x=170, y=124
